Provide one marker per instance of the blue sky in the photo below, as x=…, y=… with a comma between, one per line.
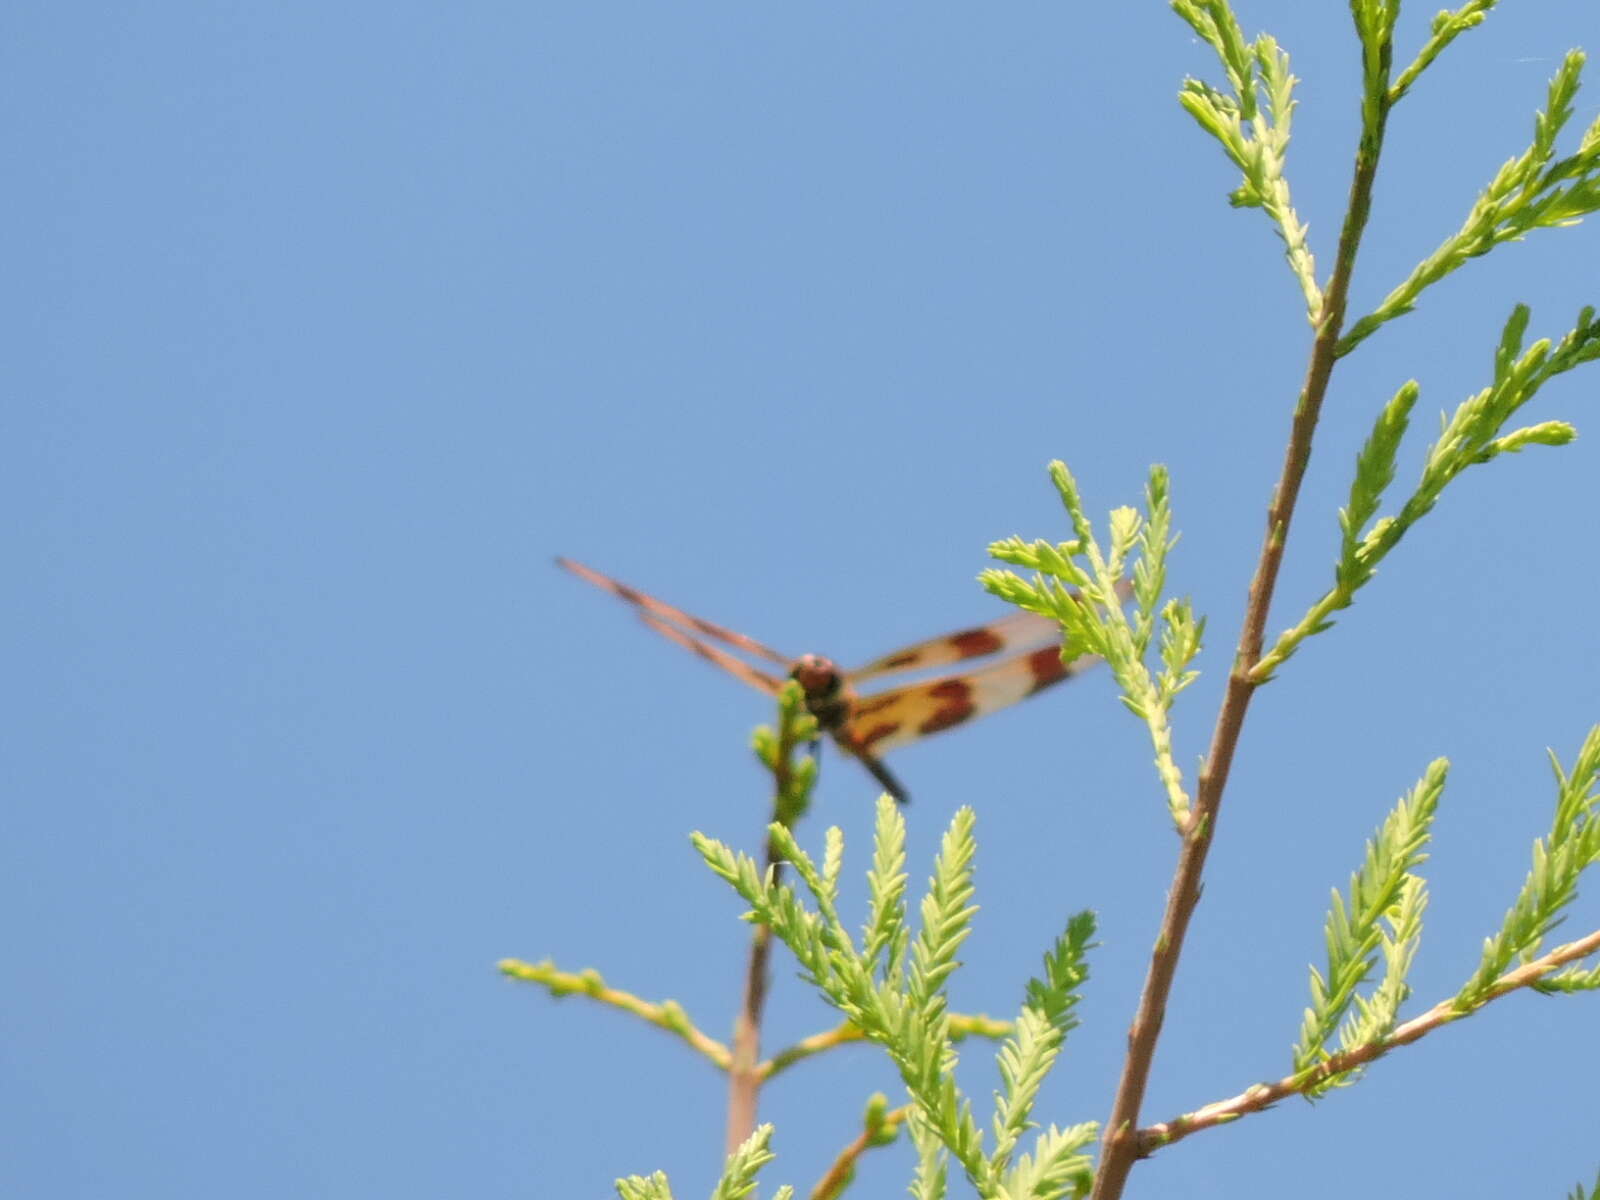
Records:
x=332, y=324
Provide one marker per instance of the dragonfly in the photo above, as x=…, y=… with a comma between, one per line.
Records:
x=867, y=726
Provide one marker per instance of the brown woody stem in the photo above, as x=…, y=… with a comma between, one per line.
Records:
x=744, y=1077
x=1122, y=1145
x=1264, y=1095
x=744, y=1072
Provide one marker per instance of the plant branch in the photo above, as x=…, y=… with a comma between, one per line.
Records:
x=961, y=1026
x=744, y=1072
x=843, y=1170
x=1122, y=1145
x=668, y=1015
x=1447, y=26
x=1264, y=1095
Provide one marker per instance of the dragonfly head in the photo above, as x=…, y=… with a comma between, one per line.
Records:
x=817, y=675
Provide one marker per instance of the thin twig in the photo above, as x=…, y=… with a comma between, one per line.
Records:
x=744, y=1073
x=844, y=1167
x=1264, y=1095
x=1121, y=1145
x=667, y=1015
x=961, y=1025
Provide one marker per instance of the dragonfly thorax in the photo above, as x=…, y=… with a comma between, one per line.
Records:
x=827, y=698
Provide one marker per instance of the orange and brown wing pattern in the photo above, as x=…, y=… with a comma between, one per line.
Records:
x=665, y=612
x=886, y=720
x=881, y=722
x=1010, y=632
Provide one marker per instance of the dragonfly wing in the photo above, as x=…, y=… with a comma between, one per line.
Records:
x=721, y=658
x=665, y=612
x=881, y=722
x=1010, y=632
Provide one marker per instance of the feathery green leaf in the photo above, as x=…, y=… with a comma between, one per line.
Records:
x=1384, y=889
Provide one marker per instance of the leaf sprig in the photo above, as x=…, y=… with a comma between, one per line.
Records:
x=794, y=780
x=1080, y=585
x=1470, y=436
x=1535, y=190
x=1382, y=914
x=739, y=1174
x=1251, y=123
x=895, y=991
x=1570, y=848
x=738, y=1179
x=1447, y=26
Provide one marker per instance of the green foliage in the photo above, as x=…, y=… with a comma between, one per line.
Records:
x=775, y=748
x=895, y=990
x=1374, y=20
x=667, y=1014
x=640, y=1187
x=1251, y=122
x=1085, y=597
x=739, y=1173
x=1058, y=1165
x=932, y=1180
x=875, y=1124
x=893, y=987
x=1025, y=1059
x=886, y=932
x=1470, y=436
x=1375, y=467
x=1055, y=997
x=1383, y=913
x=1447, y=26
x=1593, y=1193
x=1535, y=190
x=1572, y=845
x=1572, y=979
x=946, y=918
